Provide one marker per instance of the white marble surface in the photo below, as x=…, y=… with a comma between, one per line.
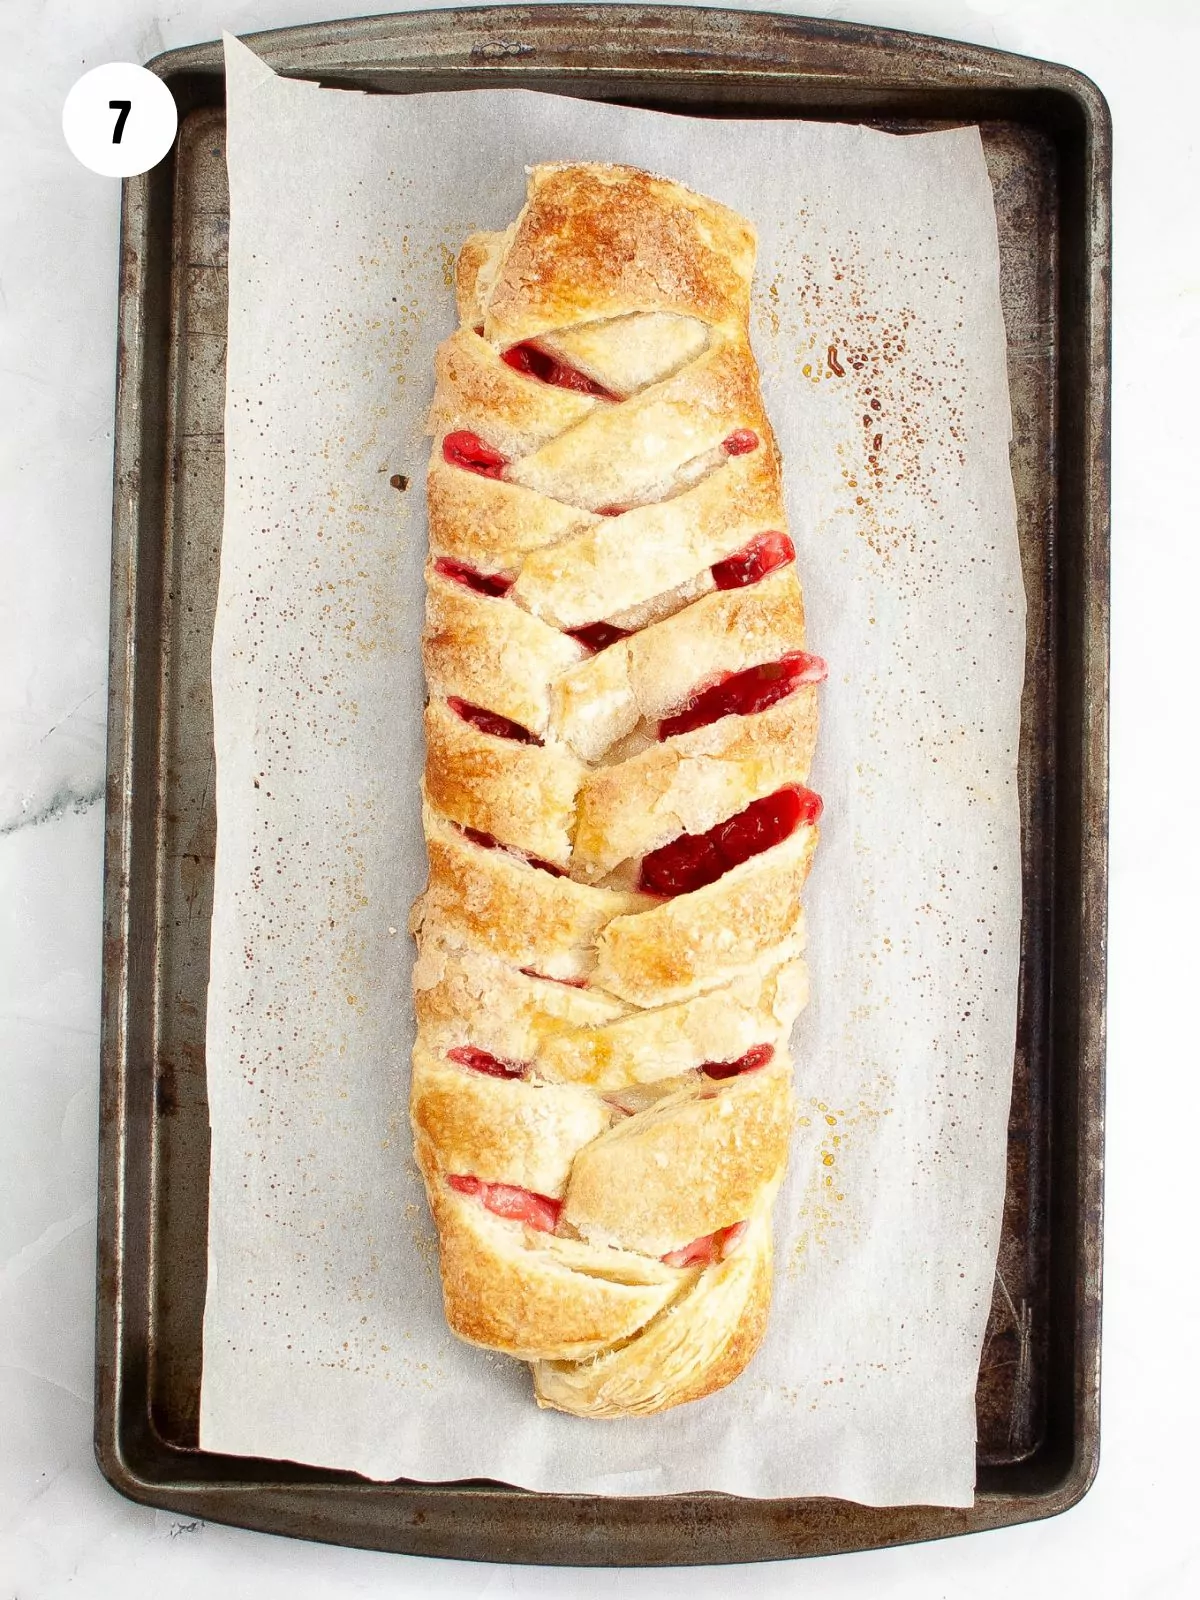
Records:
x=62, y=1530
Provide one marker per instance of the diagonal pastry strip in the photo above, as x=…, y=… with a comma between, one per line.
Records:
x=621, y=721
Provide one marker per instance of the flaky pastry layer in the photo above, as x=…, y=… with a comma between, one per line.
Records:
x=620, y=728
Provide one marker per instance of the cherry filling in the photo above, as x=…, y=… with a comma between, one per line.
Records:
x=710, y=1247
x=696, y=859
x=488, y=841
x=493, y=583
x=758, y=1057
x=540, y=364
x=506, y=1200
x=744, y=693
x=571, y=983
x=754, y=560
x=598, y=636
x=491, y=722
x=468, y=451
x=740, y=442
x=483, y=1061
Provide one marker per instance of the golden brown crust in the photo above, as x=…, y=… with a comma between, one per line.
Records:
x=490, y=524
x=693, y=1162
x=522, y=793
x=599, y=241
x=602, y=1087
x=505, y=1287
x=699, y=1344
x=628, y=353
x=470, y=997
x=680, y=425
x=640, y=1047
x=475, y=273
x=477, y=392
x=489, y=900
x=492, y=654
x=609, y=564
x=696, y=940
x=502, y=1130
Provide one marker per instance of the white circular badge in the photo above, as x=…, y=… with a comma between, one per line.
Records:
x=120, y=120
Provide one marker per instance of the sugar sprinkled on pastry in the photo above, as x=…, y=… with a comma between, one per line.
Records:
x=621, y=720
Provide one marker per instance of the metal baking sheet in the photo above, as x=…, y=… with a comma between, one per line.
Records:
x=1046, y=136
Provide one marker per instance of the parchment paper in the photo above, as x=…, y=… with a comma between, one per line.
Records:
x=878, y=327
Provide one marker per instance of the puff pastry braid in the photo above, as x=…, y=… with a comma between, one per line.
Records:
x=620, y=723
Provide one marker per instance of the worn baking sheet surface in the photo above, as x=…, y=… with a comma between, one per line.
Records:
x=1036, y=1396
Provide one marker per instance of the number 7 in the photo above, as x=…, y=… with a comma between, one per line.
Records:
x=124, y=107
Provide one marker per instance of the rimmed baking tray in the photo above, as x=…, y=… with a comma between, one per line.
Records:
x=1047, y=138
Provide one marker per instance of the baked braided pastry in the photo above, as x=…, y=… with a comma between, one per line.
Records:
x=620, y=724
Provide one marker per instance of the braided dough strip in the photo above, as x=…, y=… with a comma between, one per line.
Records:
x=619, y=732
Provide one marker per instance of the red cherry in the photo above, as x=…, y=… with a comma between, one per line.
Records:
x=491, y=722
x=468, y=451
x=492, y=583
x=534, y=362
x=708, y=1248
x=740, y=442
x=752, y=1061
x=697, y=1254
x=764, y=553
x=598, y=636
x=506, y=1200
x=694, y=860
x=483, y=1061
x=523, y=1205
x=760, y=826
x=687, y=863
x=744, y=693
